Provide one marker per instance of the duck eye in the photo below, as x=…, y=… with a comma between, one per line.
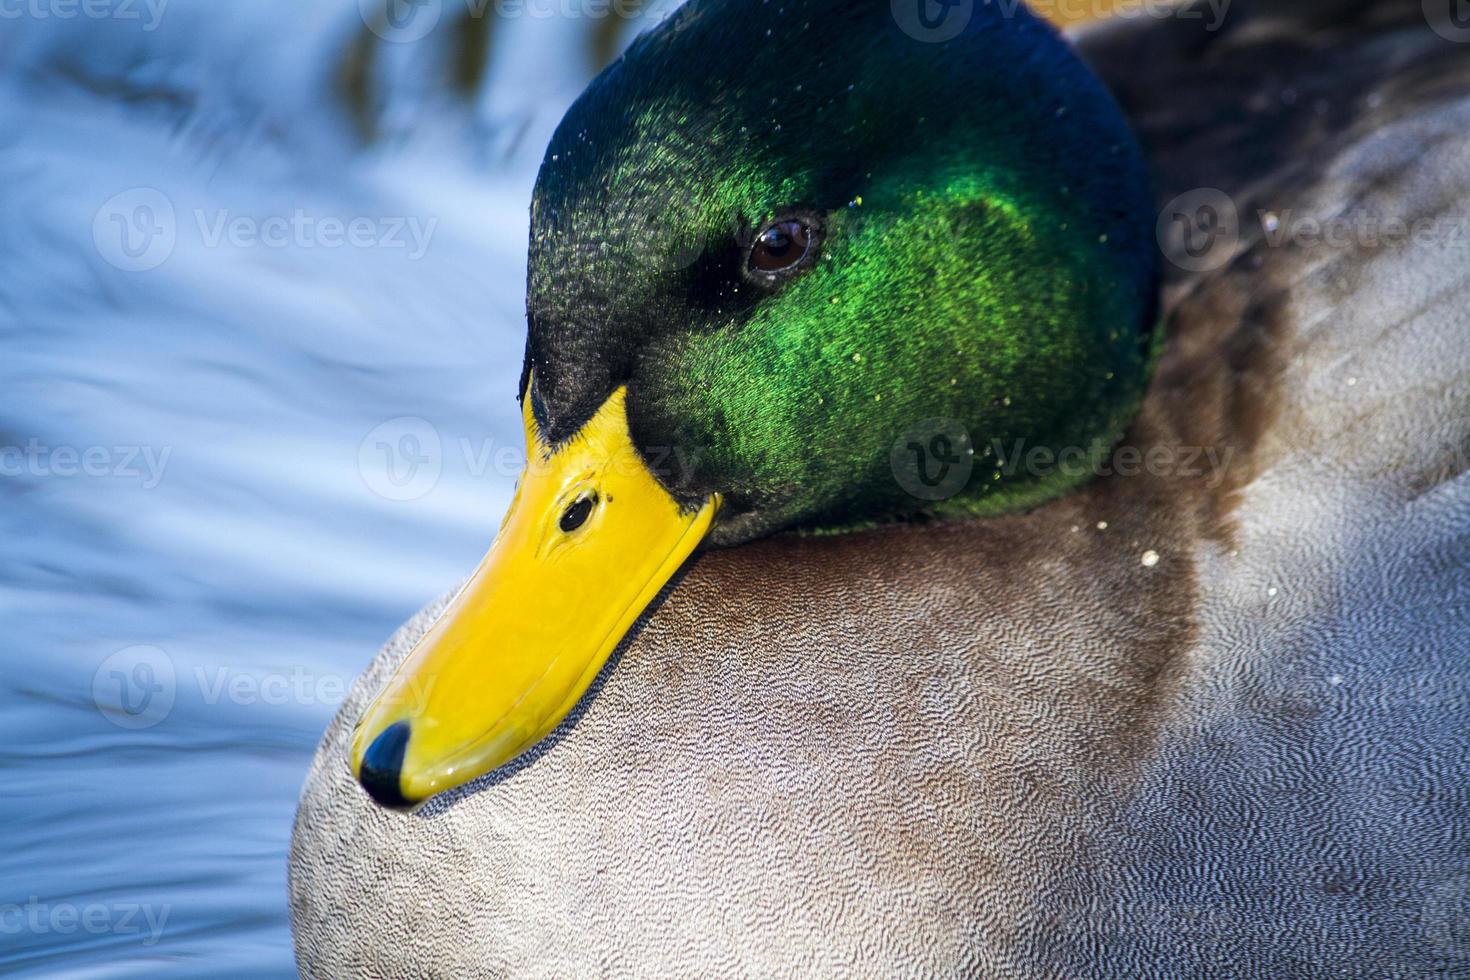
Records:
x=576, y=515
x=782, y=246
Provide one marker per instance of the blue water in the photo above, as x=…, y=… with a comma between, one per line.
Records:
x=258, y=376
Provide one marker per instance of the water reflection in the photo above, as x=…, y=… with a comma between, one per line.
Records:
x=258, y=408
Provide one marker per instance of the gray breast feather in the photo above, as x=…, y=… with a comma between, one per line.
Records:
x=1307, y=811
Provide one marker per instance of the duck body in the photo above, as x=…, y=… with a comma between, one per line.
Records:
x=1201, y=718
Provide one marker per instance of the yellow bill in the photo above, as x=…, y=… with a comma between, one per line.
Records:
x=590, y=539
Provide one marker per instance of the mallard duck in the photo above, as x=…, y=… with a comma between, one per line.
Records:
x=981, y=518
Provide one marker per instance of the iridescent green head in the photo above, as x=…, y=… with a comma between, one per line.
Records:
x=768, y=247
x=801, y=232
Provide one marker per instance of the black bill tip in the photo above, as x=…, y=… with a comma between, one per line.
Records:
x=382, y=765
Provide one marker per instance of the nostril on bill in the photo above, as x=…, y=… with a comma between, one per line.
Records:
x=576, y=515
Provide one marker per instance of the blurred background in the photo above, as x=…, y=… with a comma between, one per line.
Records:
x=262, y=321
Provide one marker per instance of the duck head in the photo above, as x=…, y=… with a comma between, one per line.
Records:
x=780, y=253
